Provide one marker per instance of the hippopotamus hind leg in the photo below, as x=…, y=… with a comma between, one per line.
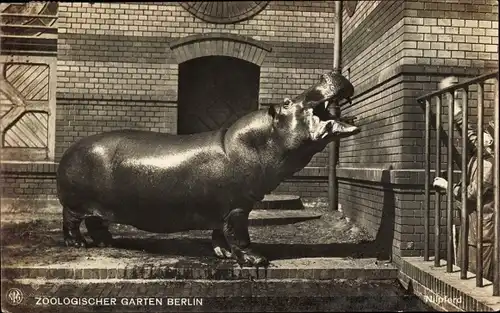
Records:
x=220, y=244
x=71, y=229
x=236, y=232
x=98, y=230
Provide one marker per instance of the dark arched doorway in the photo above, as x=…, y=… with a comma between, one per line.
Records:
x=214, y=91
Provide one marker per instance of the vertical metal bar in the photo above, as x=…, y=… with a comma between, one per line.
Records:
x=479, y=180
x=496, y=193
x=427, y=186
x=337, y=49
x=464, y=243
x=333, y=192
x=449, y=200
x=437, y=194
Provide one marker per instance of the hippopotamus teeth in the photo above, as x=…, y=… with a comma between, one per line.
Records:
x=345, y=129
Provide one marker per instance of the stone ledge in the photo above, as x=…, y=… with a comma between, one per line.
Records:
x=434, y=285
x=385, y=176
x=162, y=99
x=12, y=167
x=279, y=202
x=308, y=268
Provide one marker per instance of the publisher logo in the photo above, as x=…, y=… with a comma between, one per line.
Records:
x=15, y=296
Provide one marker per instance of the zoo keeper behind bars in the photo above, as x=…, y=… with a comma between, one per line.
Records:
x=471, y=185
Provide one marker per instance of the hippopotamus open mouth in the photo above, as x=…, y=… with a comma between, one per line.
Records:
x=316, y=101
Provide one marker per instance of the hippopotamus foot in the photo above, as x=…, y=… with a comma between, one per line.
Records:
x=236, y=233
x=220, y=245
x=246, y=257
x=98, y=230
x=71, y=229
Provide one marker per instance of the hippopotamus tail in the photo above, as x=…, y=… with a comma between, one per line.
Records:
x=83, y=169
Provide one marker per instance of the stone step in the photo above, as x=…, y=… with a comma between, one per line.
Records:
x=211, y=296
x=186, y=268
x=279, y=217
x=280, y=202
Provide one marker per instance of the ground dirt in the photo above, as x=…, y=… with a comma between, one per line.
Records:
x=28, y=241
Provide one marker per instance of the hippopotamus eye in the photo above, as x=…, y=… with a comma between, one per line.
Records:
x=326, y=78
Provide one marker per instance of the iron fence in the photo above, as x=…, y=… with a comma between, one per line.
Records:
x=465, y=90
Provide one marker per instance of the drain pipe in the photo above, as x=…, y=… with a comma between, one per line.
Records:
x=333, y=155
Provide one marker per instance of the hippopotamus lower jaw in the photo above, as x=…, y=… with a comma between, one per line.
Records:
x=333, y=129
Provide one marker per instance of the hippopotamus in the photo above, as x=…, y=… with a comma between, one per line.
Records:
x=164, y=183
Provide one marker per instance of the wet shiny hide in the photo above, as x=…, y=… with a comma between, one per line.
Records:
x=165, y=183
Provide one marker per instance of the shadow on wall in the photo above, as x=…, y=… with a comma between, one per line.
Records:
x=385, y=235
x=380, y=247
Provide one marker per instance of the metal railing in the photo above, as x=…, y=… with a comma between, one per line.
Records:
x=465, y=89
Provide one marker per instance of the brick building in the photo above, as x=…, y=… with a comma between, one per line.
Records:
x=143, y=65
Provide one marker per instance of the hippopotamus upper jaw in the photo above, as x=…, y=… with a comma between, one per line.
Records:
x=332, y=86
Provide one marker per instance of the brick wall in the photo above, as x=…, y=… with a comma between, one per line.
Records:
x=77, y=118
x=396, y=51
x=28, y=181
x=118, y=62
x=115, y=50
x=307, y=187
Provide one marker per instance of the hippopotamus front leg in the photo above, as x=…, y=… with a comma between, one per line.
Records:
x=235, y=231
x=71, y=229
x=98, y=230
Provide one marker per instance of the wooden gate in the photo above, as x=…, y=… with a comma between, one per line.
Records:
x=27, y=107
x=206, y=103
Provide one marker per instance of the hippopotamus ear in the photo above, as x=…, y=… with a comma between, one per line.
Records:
x=272, y=110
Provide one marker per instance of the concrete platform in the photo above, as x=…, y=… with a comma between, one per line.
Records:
x=280, y=202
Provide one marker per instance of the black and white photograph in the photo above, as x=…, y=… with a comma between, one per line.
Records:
x=249, y=156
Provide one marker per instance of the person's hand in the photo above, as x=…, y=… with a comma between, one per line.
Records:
x=440, y=183
x=447, y=82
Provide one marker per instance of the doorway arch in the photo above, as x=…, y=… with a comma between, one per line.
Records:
x=214, y=91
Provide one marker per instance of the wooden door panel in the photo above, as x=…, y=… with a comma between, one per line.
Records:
x=215, y=91
x=27, y=108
